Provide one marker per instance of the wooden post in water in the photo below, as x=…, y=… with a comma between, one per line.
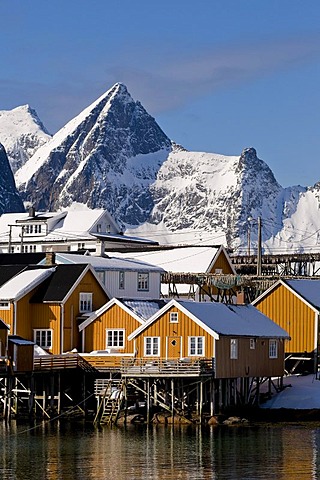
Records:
x=201, y=400
x=172, y=399
x=148, y=400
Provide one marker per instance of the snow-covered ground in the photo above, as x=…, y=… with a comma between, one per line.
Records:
x=302, y=392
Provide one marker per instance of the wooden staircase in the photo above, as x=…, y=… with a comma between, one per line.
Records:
x=109, y=402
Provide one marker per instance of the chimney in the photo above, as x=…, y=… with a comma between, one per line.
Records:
x=240, y=298
x=31, y=211
x=100, y=248
x=50, y=258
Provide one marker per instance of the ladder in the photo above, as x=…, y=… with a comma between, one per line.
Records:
x=110, y=403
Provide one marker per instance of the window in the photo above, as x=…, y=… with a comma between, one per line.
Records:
x=196, y=346
x=4, y=305
x=152, y=346
x=85, y=302
x=115, y=338
x=174, y=317
x=143, y=281
x=233, y=348
x=101, y=275
x=252, y=343
x=121, y=280
x=43, y=338
x=273, y=349
x=99, y=228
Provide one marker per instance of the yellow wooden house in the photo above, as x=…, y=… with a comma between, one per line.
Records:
x=3, y=338
x=237, y=341
x=45, y=305
x=294, y=305
x=105, y=332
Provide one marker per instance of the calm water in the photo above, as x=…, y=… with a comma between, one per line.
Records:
x=69, y=452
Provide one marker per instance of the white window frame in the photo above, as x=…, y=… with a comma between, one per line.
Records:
x=117, y=337
x=85, y=302
x=273, y=348
x=174, y=317
x=233, y=348
x=152, y=346
x=121, y=280
x=43, y=332
x=252, y=343
x=101, y=274
x=143, y=282
x=4, y=305
x=196, y=346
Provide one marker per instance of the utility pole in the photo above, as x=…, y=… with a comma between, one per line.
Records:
x=10, y=238
x=259, y=253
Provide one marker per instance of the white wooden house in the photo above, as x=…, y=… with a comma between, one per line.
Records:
x=76, y=229
x=123, y=278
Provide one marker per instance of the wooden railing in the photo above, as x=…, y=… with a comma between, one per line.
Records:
x=185, y=366
x=103, y=362
x=61, y=362
x=126, y=365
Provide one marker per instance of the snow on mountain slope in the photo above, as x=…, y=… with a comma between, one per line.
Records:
x=21, y=133
x=10, y=200
x=114, y=155
x=105, y=157
x=300, y=231
x=207, y=198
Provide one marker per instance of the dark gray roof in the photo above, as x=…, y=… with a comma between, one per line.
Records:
x=9, y=271
x=21, y=258
x=58, y=285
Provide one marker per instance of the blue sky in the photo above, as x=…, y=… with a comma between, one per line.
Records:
x=218, y=76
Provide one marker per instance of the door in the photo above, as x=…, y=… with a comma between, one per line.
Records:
x=174, y=347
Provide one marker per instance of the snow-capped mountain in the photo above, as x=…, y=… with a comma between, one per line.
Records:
x=21, y=133
x=114, y=155
x=106, y=156
x=10, y=200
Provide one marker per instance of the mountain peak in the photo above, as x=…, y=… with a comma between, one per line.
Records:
x=22, y=133
x=96, y=156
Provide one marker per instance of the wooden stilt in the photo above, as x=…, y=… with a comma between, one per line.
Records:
x=172, y=397
x=201, y=400
x=148, y=400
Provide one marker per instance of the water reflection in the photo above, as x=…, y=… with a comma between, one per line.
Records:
x=68, y=451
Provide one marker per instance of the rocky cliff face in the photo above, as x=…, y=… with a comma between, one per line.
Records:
x=107, y=156
x=114, y=155
x=21, y=133
x=10, y=200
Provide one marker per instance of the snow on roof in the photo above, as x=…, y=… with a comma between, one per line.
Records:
x=144, y=308
x=23, y=283
x=222, y=319
x=77, y=223
x=107, y=263
x=302, y=393
x=242, y=320
x=186, y=259
x=7, y=219
x=308, y=289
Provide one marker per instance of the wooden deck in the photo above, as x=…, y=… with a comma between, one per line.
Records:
x=61, y=362
x=167, y=367
x=127, y=367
